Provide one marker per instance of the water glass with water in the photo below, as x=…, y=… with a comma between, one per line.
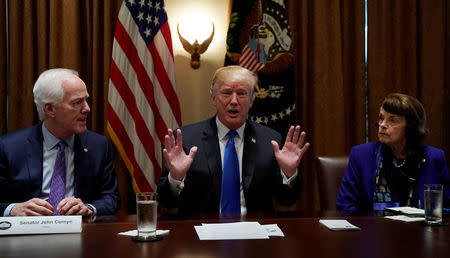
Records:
x=146, y=213
x=432, y=195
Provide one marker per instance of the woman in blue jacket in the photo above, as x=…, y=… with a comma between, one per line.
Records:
x=392, y=171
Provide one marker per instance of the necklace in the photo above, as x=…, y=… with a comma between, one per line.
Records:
x=401, y=165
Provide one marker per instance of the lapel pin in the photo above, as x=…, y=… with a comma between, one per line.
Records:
x=424, y=160
x=253, y=140
x=85, y=150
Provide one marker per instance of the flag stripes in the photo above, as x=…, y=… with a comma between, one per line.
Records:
x=250, y=60
x=142, y=100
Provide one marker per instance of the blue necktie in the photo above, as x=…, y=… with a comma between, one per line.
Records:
x=58, y=184
x=230, y=202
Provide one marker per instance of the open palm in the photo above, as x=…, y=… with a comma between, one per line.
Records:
x=291, y=154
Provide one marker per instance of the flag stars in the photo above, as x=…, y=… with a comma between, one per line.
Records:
x=140, y=16
x=150, y=4
x=273, y=117
x=157, y=7
x=149, y=19
x=131, y=2
x=147, y=32
x=288, y=111
x=142, y=3
x=156, y=21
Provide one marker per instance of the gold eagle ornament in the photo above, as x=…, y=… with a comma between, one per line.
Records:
x=195, y=49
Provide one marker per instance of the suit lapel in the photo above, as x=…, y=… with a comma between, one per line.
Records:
x=81, y=161
x=34, y=158
x=212, y=152
x=248, y=163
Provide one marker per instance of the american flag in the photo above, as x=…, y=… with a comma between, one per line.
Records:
x=253, y=57
x=142, y=99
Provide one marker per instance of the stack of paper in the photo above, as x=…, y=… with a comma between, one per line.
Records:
x=405, y=218
x=407, y=210
x=407, y=214
x=237, y=230
x=338, y=224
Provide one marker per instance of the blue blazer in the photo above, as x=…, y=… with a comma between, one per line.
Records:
x=21, y=158
x=358, y=183
x=261, y=178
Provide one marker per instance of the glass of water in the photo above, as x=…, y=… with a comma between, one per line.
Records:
x=146, y=213
x=432, y=195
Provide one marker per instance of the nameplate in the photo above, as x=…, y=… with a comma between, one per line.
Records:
x=40, y=225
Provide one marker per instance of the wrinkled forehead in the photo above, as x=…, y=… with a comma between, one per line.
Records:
x=74, y=85
x=235, y=85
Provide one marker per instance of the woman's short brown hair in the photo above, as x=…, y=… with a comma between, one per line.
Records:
x=414, y=113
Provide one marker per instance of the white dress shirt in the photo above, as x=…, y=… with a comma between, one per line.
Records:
x=222, y=131
x=50, y=152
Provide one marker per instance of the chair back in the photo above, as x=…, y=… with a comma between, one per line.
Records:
x=330, y=171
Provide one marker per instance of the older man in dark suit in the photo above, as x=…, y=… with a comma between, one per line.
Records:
x=229, y=164
x=57, y=167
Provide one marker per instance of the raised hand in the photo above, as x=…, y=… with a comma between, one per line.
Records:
x=294, y=147
x=176, y=159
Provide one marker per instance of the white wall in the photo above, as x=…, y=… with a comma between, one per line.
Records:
x=193, y=85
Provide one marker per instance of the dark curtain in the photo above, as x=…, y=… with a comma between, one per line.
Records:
x=3, y=67
x=49, y=34
x=329, y=44
x=43, y=34
x=408, y=52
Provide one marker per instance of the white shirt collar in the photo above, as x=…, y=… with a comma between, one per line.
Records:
x=50, y=141
x=222, y=130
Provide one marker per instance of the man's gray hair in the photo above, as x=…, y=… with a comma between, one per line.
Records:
x=48, y=88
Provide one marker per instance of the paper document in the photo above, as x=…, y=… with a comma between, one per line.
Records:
x=405, y=218
x=338, y=224
x=407, y=210
x=273, y=230
x=236, y=230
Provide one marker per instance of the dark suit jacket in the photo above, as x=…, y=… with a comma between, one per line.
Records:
x=21, y=158
x=358, y=183
x=261, y=178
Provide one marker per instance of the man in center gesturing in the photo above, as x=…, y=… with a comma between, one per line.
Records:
x=229, y=164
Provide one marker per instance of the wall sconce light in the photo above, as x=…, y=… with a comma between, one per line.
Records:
x=195, y=49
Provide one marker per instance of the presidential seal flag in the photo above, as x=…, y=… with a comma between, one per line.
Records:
x=142, y=99
x=259, y=39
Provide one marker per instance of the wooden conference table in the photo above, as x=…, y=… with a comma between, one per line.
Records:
x=304, y=237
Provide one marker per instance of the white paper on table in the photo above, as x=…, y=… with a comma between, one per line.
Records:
x=134, y=232
x=230, y=231
x=407, y=210
x=338, y=224
x=273, y=230
x=405, y=218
